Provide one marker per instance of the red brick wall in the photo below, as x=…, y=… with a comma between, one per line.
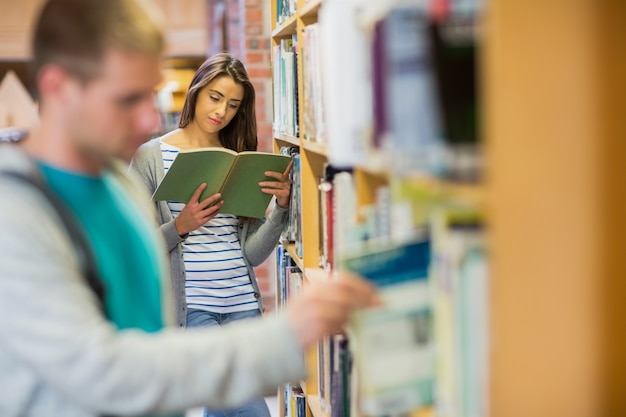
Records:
x=248, y=38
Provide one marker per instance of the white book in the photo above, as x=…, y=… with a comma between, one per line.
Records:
x=345, y=60
x=288, y=58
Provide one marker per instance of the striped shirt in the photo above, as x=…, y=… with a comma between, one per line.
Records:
x=217, y=278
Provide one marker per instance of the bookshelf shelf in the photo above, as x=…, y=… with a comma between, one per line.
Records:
x=316, y=407
x=312, y=274
x=315, y=147
x=287, y=29
x=292, y=140
x=473, y=195
x=291, y=249
x=552, y=222
x=310, y=9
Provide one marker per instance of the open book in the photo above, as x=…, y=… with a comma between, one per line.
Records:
x=235, y=175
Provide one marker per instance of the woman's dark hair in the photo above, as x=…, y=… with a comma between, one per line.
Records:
x=241, y=133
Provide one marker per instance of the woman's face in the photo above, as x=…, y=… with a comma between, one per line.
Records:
x=217, y=104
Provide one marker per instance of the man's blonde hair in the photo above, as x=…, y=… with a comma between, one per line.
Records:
x=76, y=33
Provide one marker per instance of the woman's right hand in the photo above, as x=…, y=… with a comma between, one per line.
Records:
x=196, y=213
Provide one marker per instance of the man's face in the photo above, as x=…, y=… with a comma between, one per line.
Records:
x=114, y=113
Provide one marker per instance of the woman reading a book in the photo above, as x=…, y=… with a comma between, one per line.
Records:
x=212, y=254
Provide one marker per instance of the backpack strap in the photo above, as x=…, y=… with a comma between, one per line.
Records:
x=74, y=231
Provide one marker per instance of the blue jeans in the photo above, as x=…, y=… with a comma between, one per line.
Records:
x=200, y=318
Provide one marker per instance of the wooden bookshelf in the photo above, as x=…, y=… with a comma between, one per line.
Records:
x=287, y=139
x=315, y=147
x=313, y=401
x=553, y=77
x=286, y=29
x=309, y=10
x=311, y=274
x=291, y=250
x=556, y=219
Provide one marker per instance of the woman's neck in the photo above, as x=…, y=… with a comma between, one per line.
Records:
x=192, y=137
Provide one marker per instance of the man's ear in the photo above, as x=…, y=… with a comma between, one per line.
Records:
x=55, y=83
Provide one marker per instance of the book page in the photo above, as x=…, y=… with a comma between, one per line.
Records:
x=190, y=169
x=242, y=194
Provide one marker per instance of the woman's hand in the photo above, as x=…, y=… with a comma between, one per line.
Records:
x=196, y=213
x=281, y=188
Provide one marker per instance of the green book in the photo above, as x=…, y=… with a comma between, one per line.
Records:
x=235, y=175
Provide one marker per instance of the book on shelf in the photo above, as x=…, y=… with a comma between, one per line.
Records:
x=293, y=227
x=289, y=276
x=460, y=280
x=341, y=377
x=412, y=86
x=235, y=175
x=285, y=93
x=344, y=65
x=405, y=84
x=393, y=346
x=284, y=10
x=296, y=201
x=346, y=232
x=312, y=86
x=327, y=215
x=294, y=401
x=455, y=48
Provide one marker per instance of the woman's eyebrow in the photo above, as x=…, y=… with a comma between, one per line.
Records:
x=220, y=93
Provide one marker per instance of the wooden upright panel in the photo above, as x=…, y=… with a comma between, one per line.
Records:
x=547, y=150
x=613, y=101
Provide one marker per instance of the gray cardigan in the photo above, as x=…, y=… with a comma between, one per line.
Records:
x=60, y=357
x=258, y=237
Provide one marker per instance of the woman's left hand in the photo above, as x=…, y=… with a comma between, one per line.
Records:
x=280, y=188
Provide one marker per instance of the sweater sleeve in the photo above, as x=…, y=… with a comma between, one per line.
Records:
x=49, y=323
x=263, y=235
x=147, y=165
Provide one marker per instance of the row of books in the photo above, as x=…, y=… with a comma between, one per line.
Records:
x=284, y=10
x=439, y=248
x=285, y=76
x=410, y=96
x=293, y=228
x=289, y=276
x=335, y=375
x=313, y=106
x=346, y=225
x=294, y=401
x=428, y=346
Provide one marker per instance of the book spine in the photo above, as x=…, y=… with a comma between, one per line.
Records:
x=297, y=203
x=411, y=101
x=460, y=279
x=347, y=105
x=344, y=213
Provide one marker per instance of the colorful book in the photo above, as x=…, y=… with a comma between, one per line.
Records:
x=235, y=175
x=393, y=345
x=460, y=282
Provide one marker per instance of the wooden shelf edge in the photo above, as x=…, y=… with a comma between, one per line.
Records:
x=375, y=171
x=315, y=147
x=291, y=250
x=287, y=29
x=287, y=138
x=312, y=274
x=315, y=406
x=310, y=9
x=463, y=193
